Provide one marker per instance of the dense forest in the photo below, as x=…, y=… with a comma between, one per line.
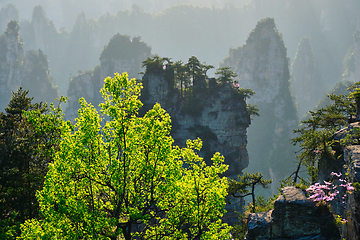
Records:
x=268, y=87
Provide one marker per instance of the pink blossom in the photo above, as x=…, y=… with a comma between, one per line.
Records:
x=336, y=174
x=327, y=183
x=320, y=194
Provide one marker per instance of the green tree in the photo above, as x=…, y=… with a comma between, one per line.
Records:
x=245, y=186
x=355, y=95
x=181, y=76
x=124, y=178
x=240, y=188
x=316, y=135
x=155, y=64
x=205, y=68
x=226, y=75
x=24, y=156
x=194, y=69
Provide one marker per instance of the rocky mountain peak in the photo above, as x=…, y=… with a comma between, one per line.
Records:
x=8, y=13
x=122, y=54
x=262, y=65
x=30, y=71
x=352, y=59
x=306, y=82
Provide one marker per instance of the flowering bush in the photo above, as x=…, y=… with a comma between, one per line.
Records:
x=323, y=194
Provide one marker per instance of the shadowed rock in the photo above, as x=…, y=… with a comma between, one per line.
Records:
x=294, y=217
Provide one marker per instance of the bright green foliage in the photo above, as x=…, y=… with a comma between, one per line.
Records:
x=10, y=226
x=124, y=178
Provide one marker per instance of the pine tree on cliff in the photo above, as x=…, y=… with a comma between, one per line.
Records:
x=194, y=68
x=306, y=82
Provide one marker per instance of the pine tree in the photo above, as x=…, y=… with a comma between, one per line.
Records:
x=24, y=155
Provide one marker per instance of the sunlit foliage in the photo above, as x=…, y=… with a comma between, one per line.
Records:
x=119, y=175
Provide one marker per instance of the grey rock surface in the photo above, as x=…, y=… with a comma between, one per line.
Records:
x=262, y=65
x=17, y=69
x=346, y=162
x=293, y=217
x=351, y=211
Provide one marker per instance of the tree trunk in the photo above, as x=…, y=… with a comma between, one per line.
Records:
x=357, y=101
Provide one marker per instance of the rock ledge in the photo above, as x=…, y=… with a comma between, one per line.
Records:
x=294, y=217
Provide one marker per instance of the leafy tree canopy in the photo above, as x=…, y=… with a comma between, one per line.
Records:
x=124, y=178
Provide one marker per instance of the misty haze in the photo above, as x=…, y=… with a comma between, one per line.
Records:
x=271, y=87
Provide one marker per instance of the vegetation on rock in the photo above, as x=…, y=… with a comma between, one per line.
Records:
x=124, y=177
x=316, y=135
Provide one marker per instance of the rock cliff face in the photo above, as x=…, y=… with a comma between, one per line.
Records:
x=348, y=162
x=120, y=55
x=8, y=13
x=352, y=211
x=123, y=55
x=294, y=217
x=306, y=83
x=221, y=123
x=40, y=32
x=352, y=59
x=220, y=120
x=36, y=77
x=84, y=85
x=30, y=71
x=11, y=59
x=262, y=65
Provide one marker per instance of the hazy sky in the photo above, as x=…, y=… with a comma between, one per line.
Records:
x=64, y=12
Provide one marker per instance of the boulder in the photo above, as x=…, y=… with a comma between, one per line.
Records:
x=293, y=217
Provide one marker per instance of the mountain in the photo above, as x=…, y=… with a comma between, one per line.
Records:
x=262, y=65
x=30, y=71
